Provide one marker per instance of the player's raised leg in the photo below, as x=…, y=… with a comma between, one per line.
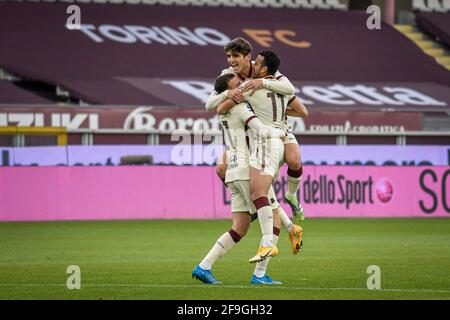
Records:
x=295, y=231
x=295, y=170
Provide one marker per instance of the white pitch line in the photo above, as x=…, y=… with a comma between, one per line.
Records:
x=274, y=287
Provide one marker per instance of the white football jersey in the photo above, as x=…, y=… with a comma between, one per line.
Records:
x=268, y=106
x=233, y=124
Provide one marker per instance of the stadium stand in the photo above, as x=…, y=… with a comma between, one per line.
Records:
x=303, y=4
x=12, y=94
x=437, y=25
x=432, y=39
x=121, y=61
x=431, y=5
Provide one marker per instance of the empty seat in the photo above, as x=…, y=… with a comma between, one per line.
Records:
x=259, y=3
x=420, y=5
x=228, y=3
x=133, y=1
x=274, y=3
x=320, y=4
x=242, y=3
x=198, y=3
x=182, y=2
x=435, y=5
x=150, y=2
x=291, y=3
x=446, y=5
x=335, y=4
x=166, y=2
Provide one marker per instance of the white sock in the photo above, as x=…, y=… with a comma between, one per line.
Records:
x=261, y=267
x=285, y=221
x=293, y=185
x=265, y=217
x=222, y=246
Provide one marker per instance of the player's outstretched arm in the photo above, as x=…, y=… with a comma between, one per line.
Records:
x=296, y=109
x=282, y=86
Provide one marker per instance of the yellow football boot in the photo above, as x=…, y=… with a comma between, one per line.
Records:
x=295, y=237
x=263, y=253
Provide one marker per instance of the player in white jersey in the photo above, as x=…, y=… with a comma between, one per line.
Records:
x=238, y=53
x=239, y=58
x=268, y=154
x=237, y=178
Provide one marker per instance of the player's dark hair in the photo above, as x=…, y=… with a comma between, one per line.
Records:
x=271, y=61
x=238, y=45
x=221, y=83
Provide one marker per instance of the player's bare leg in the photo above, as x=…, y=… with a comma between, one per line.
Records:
x=295, y=170
x=221, y=166
x=241, y=224
x=259, y=186
x=259, y=275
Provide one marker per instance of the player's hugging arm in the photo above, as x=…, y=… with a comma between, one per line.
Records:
x=215, y=99
x=296, y=108
x=225, y=106
x=282, y=85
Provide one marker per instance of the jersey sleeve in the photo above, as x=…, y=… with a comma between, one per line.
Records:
x=282, y=85
x=215, y=99
x=227, y=70
x=291, y=98
x=243, y=112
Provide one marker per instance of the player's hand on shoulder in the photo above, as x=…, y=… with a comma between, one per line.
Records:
x=252, y=85
x=236, y=95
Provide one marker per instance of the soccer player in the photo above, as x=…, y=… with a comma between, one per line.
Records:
x=238, y=53
x=237, y=176
x=267, y=157
x=295, y=232
x=295, y=108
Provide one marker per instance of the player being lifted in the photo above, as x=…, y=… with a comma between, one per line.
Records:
x=268, y=155
x=238, y=53
x=237, y=178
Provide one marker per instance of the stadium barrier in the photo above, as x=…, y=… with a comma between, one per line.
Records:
x=54, y=135
x=112, y=155
x=130, y=192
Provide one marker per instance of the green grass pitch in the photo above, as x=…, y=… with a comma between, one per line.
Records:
x=154, y=259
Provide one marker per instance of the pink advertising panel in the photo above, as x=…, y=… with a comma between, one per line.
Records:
x=168, y=192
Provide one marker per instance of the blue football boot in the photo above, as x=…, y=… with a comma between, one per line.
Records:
x=263, y=280
x=204, y=276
